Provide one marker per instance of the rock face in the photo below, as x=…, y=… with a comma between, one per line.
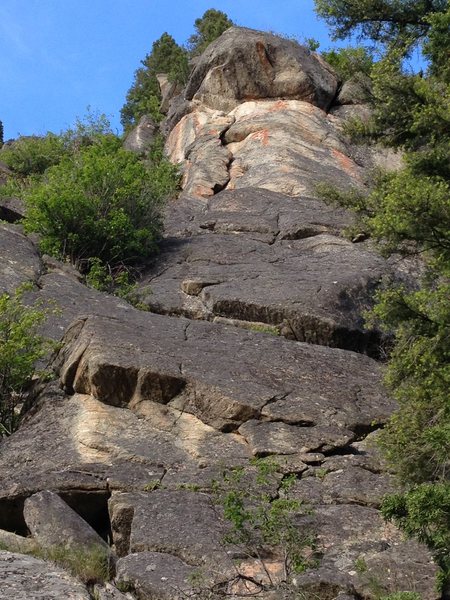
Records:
x=256, y=256
x=244, y=64
x=146, y=411
x=140, y=138
x=28, y=578
x=53, y=523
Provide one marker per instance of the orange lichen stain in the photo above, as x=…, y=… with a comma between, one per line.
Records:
x=202, y=191
x=263, y=57
x=262, y=136
x=279, y=105
x=346, y=163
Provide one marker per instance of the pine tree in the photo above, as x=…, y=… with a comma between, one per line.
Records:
x=409, y=212
x=144, y=96
x=208, y=28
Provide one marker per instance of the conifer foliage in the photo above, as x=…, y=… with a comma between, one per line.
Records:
x=408, y=212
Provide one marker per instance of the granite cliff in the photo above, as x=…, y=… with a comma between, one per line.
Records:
x=253, y=345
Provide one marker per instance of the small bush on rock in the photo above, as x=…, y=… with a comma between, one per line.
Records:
x=21, y=347
x=99, y=201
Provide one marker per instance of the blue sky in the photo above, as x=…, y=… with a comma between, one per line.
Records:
x=59, y=56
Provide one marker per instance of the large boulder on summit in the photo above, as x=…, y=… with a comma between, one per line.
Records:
x=244, y=64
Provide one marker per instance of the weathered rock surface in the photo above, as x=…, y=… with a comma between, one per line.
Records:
x=149, y=409
x=245, y=64
x=53, y=523
x=156, y=575
x=253, y=255
x=11, y=209
x=285, y=146
x=17, y=543
x=220, y=373
x=20, y=260
x=140, y=138
x=27, y=578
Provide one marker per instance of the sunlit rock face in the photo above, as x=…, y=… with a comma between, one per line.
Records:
x=259, y=349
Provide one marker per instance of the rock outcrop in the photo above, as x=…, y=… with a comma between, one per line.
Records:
x=259, y=349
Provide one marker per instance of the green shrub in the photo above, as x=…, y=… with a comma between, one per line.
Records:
x=21, y=347
x=423, y=512
x=261, y=524
x=33, y=155
x=349, y=61
x=99, y=202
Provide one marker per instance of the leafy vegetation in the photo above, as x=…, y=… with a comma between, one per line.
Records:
x=207, y=29
x=97, y=202
x=349, y=61
x=91, y=201
x=144, y=96
x=21, y=346
x=408, y=212
x=264, y=525
x=1, y=134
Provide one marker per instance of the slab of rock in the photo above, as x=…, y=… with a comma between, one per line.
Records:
x=156, y=575
x=279, y=438
x=182, y=523
x=27, y=578
x=286, y=146
x=83, y=449
x=20, y=261
x=53, y=523
x=350, y=484
x=254, y=212
x=314, y=289
x=348, y=534
x=17, y=543
x=224, y=375
x=245, y=64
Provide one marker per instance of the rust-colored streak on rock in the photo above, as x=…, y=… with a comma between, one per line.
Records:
x=262, y=136
x=345, y=162
x=278, y=106
x=263, y=58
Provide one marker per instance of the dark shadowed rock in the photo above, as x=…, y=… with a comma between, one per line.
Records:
x=179, y=107
x=314, y=289
x=11, y=209
x=27, y=578
x=245, y=64
x=5, y=172
x=140, y=138
x=53, y=523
